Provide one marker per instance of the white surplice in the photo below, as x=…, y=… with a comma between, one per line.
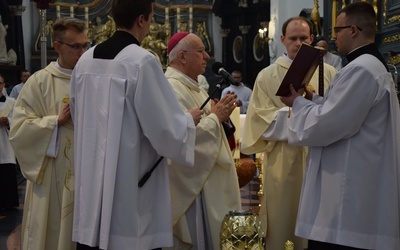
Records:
x=126, y=116
x=6, y=152
x=351, y=189
x=265, y=130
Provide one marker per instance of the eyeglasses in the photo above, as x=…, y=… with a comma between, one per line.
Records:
x=77, y=46
x=339, y=28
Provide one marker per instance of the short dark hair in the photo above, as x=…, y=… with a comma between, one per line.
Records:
x=318, y=39
x=125, y=12
x=65, y=23
x=23, y=71
x=300, y=18
x=363, y=15
x=237, y=72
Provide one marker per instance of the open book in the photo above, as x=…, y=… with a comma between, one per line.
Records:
x=302, y=68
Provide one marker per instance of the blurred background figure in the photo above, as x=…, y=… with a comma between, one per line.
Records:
x=14, y=90
x=329, y=58
x=243, y=93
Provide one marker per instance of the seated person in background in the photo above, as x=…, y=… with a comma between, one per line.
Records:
x=329, y=58
x=25, y=74
x=243, y=93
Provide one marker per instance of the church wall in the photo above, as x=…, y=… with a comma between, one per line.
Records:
x=280, y=10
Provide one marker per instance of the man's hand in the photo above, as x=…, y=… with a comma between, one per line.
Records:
x=4, y=121
x=64, y=116
x=196, y=114
x=288, y=100
x=309, y=92
x=223, y=108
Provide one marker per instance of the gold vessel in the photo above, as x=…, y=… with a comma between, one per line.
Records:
x=241, y=230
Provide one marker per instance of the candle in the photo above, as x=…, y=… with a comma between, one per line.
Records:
x=190, y=19
x=166, y=15
x=58, y=12
x=235, y=118
x=87, y=17
x=178, y=19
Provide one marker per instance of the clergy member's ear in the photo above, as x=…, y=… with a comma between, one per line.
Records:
x=57, y=46
x=182, y=56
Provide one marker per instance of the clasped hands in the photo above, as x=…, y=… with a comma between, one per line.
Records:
x=223, y=108
x=4, y=121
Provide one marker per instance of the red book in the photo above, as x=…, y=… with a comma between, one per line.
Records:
x=302, y=68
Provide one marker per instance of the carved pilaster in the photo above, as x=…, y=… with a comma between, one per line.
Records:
x=224, y=32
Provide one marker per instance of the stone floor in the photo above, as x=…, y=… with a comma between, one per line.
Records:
x=10, y=220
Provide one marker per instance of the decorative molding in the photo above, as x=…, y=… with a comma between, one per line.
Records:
x=244, y=28
x=224, y=32
x=17, y=10
x=393, y=59
x=394, y=19
x=391, y=39
x=258, y=48
x=238, y=49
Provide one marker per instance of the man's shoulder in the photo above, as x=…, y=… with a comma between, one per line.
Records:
x=249, y=90
x=329, y=69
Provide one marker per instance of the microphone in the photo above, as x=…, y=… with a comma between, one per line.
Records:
x=218, y=69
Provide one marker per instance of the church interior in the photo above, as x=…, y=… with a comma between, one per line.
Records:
x=243, y=35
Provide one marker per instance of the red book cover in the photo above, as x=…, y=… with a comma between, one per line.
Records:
x=301, y=70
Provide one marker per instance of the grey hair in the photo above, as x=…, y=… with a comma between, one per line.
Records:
x=182, y=45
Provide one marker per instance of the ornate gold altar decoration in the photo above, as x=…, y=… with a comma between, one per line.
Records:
x=393, y=57
x=98, y=32
x=289, y=245
x=201, y=31
x=157, y=39
x=159, y=34
x=391, y=39
x=315, y=18
x=241, y=230
x=259, y=164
